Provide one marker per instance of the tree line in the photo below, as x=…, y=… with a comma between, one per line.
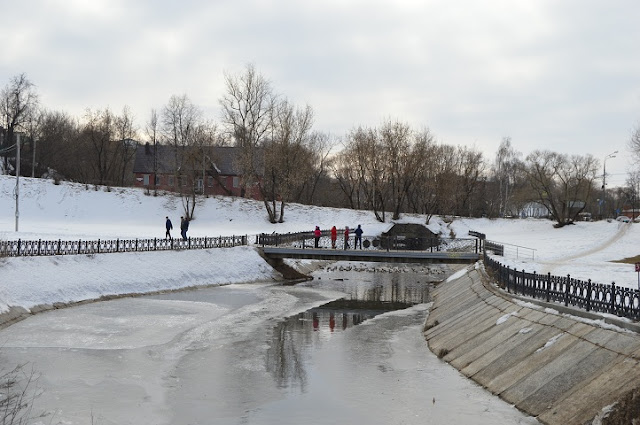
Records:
x=389, y=169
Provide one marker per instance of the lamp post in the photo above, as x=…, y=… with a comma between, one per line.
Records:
x=604, y=179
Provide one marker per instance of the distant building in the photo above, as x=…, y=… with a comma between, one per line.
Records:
x=534, y=209
x=217, y=173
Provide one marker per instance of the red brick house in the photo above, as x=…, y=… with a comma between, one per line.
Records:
x=216, y=174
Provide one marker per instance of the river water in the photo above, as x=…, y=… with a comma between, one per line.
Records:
x=346, y=347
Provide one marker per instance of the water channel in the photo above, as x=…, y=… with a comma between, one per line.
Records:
x=345, y=347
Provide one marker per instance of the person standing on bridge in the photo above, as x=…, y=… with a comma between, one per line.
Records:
x=169, y=226
x=316, y=234
x=358, y=238
x=334, y=237
x=346, y=237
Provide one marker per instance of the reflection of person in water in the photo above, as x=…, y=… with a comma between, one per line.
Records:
x=345, y=321
x=316, y=321
x=332, y=321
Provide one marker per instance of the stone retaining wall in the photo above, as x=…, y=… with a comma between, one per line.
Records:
x=560, y=368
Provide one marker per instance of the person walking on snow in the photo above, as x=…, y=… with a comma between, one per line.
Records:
x=316, y=234
x=334, y=237
x=184, y=226
x=358, y=238
x=169, y=229
x=346, y=237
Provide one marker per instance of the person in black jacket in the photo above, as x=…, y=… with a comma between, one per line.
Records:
x=169, y=229
x=184, y=226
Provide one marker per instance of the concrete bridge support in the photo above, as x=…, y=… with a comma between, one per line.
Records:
x=561, y=368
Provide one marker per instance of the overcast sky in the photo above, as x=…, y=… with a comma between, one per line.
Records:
x=550, y=74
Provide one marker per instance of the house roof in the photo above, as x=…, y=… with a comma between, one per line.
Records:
x=223, y=159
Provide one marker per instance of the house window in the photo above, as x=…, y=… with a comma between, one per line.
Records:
x=199, y=185
x=236, y=182
x=171, y=181
x=210, y=181
x=145, y=178
x=158, y=180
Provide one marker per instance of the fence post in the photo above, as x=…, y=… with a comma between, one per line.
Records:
x=59, y=243
x=79, y=245
x=523, y=279
x=136, y=244
x=155, y=244
x=189, y=242
x=118, y=245
x=39, y=243
x=508, y=271
x=548, y=285
x=98, y=246
x=613, y=297
x=19, y=241
x=589, y=295
x=566, y=291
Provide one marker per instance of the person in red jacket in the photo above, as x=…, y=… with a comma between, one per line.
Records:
x=334, y=237
x=316, y=234
x=346, y=237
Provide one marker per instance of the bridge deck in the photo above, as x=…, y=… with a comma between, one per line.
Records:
x=372, y=255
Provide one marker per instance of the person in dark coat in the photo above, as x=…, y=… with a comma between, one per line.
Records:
x=358, y=238
x=184, y=226
x=169, y=229
x=316, y=234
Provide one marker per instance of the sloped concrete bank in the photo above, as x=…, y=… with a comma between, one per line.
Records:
x=560, y=368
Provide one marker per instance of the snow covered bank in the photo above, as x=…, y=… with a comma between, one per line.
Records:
x=28, y=282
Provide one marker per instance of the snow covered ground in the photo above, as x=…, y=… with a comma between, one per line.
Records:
x=75, y=211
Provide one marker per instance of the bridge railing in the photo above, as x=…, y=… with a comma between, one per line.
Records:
x=305, y=240
x=591, y=296
x=21, y=247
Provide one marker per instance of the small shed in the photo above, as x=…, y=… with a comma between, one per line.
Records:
x=409, y=236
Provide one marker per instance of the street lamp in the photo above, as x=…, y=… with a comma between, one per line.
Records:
x=604, y=178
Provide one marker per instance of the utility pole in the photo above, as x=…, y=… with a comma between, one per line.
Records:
x=17, y=191
x=604, y=180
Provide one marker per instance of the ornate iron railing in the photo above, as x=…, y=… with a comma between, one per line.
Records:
x=587, y=295
x=390, y=243
x=65, y=247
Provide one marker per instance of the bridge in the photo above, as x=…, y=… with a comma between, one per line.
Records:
x=373, y=255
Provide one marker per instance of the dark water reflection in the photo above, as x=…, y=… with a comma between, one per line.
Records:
x=368, y=293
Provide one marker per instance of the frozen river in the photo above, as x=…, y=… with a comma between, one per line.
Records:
x=346, y=347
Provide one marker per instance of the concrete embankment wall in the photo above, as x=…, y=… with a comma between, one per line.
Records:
x=557, y=367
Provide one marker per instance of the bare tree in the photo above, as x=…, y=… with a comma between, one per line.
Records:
x=58, y=145
x=634, y=143
x=126, y=134
x=181, y=120
x=246, y=114
x=152, y=131
x=395, y=143
x=505, y=169
x=17, y=100
x=563, y=184
x=288, y=158
x=99, y=138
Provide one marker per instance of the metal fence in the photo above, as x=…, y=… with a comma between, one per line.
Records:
x=389, y=243
x=598, y=297
x=59, y=247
